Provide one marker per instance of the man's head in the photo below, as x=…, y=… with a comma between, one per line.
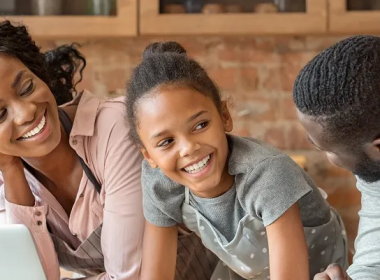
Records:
x=337, y=95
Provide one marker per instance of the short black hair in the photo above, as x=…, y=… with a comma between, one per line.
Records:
x=340, y=87
x=56, y=68
x=165, y=64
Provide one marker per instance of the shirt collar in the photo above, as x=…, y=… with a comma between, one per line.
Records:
x=85, y=117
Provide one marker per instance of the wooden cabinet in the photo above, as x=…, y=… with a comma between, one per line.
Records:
x=343, y=21
x=321, y=17
x=314, y=21
x=122, y=25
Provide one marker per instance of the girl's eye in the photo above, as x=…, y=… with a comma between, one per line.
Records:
x=3, y=114
x=201, y=125
x=28, y=89
x=165, y=143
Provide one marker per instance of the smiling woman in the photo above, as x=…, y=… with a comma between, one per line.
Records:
x=70, y=172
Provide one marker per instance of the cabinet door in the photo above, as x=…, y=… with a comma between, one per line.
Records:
x=354, y=16
x=120, y=24
x=214, y=18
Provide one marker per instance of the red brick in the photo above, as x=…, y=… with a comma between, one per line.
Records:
x=259, y=56
x=321, y=43
x=266, y=44
x=194, y=47
x=114, y=79
x=287, y=109
x=285, y=43
x=300, y=58
x=275, y=136
x=257, y=108
x=296, y=137
x=249, y=78
x=225, y=78
x=87, y=80
x=228, y=53
x=247, y=50
x=281, y=78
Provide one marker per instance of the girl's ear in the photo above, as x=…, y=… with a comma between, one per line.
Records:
x=226, y=116
x=146, y=155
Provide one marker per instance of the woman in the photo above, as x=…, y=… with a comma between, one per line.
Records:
x=84, y=212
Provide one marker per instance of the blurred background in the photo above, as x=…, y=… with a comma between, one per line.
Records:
x=253, y=49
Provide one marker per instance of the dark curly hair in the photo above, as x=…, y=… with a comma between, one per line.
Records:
x=341, y=88
x=56, y=67
x=165, y=64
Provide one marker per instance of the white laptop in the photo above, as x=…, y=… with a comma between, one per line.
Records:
x=19, y=259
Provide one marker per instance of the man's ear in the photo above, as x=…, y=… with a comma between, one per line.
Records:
x=373, y=150
x=147, y=157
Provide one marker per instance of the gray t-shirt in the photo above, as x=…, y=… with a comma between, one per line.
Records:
x=366, y=263
x=267, y=183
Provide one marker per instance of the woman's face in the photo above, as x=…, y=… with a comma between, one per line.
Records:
x=29, y=123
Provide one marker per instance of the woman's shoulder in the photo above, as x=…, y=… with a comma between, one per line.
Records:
x=106, y=114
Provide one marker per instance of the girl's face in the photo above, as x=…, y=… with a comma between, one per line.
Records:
x=183, y=133
x=29, y=123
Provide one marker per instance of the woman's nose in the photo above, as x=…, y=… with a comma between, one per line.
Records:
x=24, y=112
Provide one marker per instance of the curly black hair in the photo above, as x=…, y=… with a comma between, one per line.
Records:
x=165, y=63
x=341, y=88
x=56, y=67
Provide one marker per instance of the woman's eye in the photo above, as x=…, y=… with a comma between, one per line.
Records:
x=201, y=125
x=165, y=143
x=28, y=89
x=3, y=114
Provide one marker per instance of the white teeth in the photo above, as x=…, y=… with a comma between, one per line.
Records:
x=199, y=166
x=35, y=130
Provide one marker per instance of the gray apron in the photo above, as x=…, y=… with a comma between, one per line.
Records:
x=247, y=255
x=194, y=261
x=86, y=260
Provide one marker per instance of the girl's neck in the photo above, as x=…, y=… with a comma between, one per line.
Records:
x=226, y=182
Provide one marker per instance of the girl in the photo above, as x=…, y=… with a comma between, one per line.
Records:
x=250, y=204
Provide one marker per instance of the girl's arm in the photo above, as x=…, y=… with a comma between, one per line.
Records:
x=288, y=255
x=159, y=252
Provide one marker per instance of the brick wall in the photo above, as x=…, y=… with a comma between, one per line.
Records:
x=257, y=74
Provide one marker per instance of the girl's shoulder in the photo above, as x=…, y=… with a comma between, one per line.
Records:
x=162, y=197
x=247, y=153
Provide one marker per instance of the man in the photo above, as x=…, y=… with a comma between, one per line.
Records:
x=337, y=95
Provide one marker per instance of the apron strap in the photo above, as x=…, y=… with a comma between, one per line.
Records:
x=67, y=125
x=187, y=195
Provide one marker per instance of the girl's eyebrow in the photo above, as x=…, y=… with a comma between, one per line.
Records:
x=158, y=134
x=193, y=117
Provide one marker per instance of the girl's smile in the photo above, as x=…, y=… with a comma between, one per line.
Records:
x=198, y=167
